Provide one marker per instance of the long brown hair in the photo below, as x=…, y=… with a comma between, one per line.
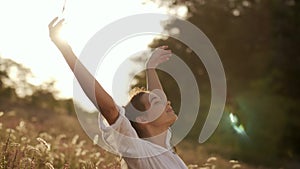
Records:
x=135, y=107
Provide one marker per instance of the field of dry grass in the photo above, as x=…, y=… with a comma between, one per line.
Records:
x=52, y=143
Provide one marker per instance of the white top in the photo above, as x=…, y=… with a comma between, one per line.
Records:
x=121, y=138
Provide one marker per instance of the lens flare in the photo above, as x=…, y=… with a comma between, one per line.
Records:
x=239, y=128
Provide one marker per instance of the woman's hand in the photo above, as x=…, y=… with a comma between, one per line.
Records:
x=159, y=55
x=54, y=30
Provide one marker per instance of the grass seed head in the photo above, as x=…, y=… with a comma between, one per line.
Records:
x=44, y=143
x=75, y=138
x=95, y=140
x=49, y=165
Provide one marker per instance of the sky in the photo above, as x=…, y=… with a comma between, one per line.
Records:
x=24, y=35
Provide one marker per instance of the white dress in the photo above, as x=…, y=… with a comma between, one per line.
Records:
x=121, y=138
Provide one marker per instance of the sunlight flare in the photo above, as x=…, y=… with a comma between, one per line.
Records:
x=64, y=33
x=239, y=128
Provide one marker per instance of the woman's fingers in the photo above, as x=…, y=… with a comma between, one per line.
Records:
x=55, y=28
x=60, y=23
x=160, y=55
x=163, y=47
x=164, y=52
x=52, y=22
x=164, y=57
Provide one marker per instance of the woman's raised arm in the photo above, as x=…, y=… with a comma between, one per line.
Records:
x=159, y=55
x=95, y=92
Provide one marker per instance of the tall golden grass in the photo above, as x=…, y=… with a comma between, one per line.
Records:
x=30, y=144
x=26, y=146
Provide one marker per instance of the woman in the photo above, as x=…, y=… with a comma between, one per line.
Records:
x=139, y=132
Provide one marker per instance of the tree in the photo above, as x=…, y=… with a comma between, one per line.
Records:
x=257, y=43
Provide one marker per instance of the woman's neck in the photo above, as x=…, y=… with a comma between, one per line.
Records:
x=156, y=136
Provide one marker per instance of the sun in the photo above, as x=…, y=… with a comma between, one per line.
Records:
x=64, y=33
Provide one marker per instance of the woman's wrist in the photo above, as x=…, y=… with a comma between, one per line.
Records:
x=150, y=65
x=61, y=43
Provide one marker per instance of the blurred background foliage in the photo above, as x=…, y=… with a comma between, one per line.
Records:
x=257, y=42
x=18, y=93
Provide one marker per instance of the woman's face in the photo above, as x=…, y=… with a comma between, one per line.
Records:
x=159, y=110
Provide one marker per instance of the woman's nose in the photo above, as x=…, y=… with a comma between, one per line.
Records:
x=169, y=102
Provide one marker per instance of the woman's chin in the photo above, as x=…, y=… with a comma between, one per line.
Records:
x=175, y=117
